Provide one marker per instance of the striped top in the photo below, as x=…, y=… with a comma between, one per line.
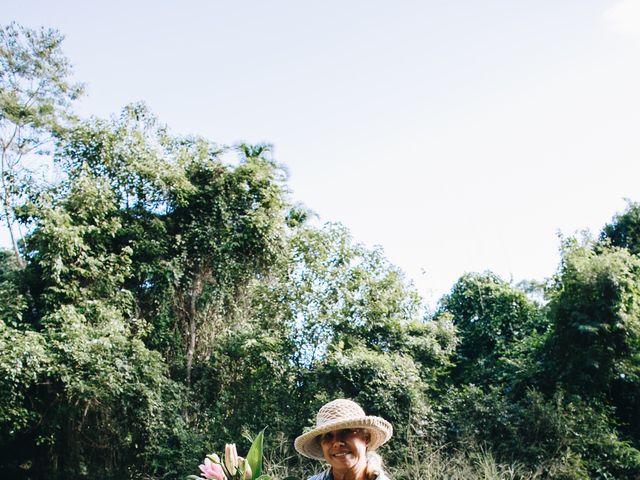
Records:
x=326, y=475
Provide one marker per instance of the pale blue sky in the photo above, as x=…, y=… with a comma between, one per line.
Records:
x=458, y=135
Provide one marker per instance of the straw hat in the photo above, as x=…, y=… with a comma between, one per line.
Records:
x=339, y=414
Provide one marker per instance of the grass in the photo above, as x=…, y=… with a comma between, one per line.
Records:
x=425, y=461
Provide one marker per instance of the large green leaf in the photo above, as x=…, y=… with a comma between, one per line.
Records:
x=254, y=457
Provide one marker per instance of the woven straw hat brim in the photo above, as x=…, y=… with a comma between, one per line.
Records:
x=308, y=445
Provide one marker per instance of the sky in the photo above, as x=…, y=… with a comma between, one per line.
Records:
x=458, y=135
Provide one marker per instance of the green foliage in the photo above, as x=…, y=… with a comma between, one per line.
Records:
x=23, y=361
x=594, y=347
x=387, y=384
x=245, y=366
x=35, y=102
x=562, y=437
x=339, y=295
x=624, y=229
x=426, y=461
x=91, y=376
x=491, y=319
x=35, y=90
x=71, y=249
x=13, y=301
x=83, y=378
x=255, y=455
x=431, y=344
x=198, y=229
x=595, y=310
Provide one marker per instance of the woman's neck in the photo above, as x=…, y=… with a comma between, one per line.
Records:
x=359, y=472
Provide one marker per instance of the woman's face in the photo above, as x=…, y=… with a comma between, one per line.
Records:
x=345, y=449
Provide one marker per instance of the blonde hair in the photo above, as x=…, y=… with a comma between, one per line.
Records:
x=374, y=460
x=374, y=465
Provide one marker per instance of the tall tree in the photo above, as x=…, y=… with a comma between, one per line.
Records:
x=35, y=99
x=491, y=318
x=200, y=228
x=594, y=345
x=341, y=294
x=79, y=385
x=595, y=312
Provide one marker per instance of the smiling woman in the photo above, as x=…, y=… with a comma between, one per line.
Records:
x=346, y=438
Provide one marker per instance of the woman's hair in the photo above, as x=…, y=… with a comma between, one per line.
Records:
x=374, y=460
x=374, y=465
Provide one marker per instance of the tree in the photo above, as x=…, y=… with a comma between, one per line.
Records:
x=35, y=100
x=199, y=228
x=386, y=384
x=339, y=294
x=81, y=387
x=231, y=227
x=595, y=312
x=593, y=347
x=491, y=318
x=624, y=229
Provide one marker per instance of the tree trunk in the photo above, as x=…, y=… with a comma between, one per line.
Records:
x=8, y=213
x=192, y=317
x=191, y=346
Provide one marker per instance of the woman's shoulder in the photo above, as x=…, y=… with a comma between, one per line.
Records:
x=326, y=475
x=321, y=476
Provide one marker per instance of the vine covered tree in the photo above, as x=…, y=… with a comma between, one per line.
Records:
x=492, y=318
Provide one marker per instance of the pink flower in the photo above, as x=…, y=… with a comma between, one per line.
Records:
x=212, y=470
x=231, y=458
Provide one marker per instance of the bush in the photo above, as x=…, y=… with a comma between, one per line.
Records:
x=557, y=437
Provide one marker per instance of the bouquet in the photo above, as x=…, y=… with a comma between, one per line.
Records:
x=234, y=467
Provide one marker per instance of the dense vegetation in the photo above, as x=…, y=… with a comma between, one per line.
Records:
x=168, y=297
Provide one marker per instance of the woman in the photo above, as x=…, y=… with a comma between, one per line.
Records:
x=347, y=439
